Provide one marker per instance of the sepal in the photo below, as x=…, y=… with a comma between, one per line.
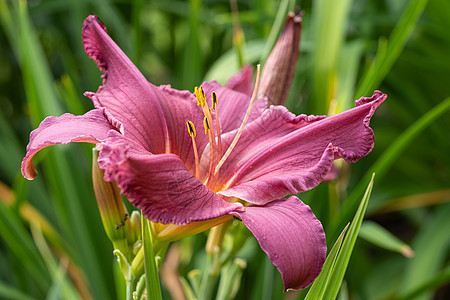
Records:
x=125, y=267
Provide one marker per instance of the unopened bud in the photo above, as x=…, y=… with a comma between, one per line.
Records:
x=279, y=69
x=134, y=228
x=112, y=209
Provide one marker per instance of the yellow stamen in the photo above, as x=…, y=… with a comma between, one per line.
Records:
x=203, y=94
x=192, y=133
x=214, y=100
x=191, y=128
x=206, y=124
x=200, y=95
x=244, y=122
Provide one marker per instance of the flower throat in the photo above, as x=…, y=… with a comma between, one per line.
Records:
x=214, y=136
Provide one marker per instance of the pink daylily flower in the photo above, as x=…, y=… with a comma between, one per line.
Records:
x=170, y=172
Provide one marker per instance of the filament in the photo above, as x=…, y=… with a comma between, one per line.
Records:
x=192, y=133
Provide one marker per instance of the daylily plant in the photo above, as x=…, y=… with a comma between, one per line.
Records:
x=185, y=157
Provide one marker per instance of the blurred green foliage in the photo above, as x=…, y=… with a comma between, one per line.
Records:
x=348, y=49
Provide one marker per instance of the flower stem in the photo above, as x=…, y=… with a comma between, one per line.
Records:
x=131, y=287
x=151, y=270
x=210, y=275
x=213, y=264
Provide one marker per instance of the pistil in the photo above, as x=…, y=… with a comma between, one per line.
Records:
x=244, y=122
x=214, y=106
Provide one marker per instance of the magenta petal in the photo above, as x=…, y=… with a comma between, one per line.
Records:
x=292, y=237
x=159, y=184
x=232, y=105
x=243, y=81
x=91, y=127
x=154, y=117
x=280, y=154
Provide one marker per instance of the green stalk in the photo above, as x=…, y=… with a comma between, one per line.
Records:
x=151, y=270
x=210, y=276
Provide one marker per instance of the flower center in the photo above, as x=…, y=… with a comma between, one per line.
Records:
x=216, y=144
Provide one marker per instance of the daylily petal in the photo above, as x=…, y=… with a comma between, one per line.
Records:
x=243, y=81
x=159, y=185
x=155, y=117
x=292, y=237
x=91, y=127
x=280, y=154
x=232, y=105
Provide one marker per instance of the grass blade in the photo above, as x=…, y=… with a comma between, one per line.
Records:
x=343, y=258
x=431, y=245
x=387, y=57
x=329, y=19
x=8, y=292
x=438, y=280
x=377, y=235
x=320, y=284
x=19, y=242
x=277, y=26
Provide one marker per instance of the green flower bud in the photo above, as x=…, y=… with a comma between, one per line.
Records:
x=112, y=209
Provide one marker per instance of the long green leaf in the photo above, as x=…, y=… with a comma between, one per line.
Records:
x=343, y=258
x=277, y=26
x=330, y=19
x=432, y=283
x=432, y=247
x=387, y=57
x=320, y=284
x=61, y=287
x=379, y=236
x=19, y=241
x=9, y=292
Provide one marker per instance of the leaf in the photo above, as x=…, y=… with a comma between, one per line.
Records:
x=320, y=284
x=389, y=54
x=14, y=233
x=8, y=292
x=377, y=235
x=330, y=281
x=431, y=245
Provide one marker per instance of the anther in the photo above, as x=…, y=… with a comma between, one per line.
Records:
x=192, y=133
x=203, y=93
x=191, y=128
x=206, y=124
x=214, y=100
x=200, y=95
